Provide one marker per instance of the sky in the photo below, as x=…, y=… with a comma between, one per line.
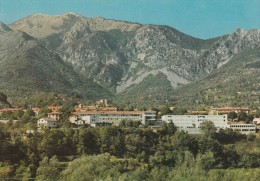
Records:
x=199, y=18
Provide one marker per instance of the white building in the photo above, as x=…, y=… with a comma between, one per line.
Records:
x=256, y=121
x=47, y=123
x=191, y=123
x=54, y=115
x=115, y=117
x=243, y=128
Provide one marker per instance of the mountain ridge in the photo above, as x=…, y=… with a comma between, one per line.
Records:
x=120, y=55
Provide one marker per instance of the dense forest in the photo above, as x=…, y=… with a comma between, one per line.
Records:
x=126, y=153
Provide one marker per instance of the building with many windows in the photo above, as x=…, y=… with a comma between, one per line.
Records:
x=114, y=117
x=191, y=123
x=243, y=128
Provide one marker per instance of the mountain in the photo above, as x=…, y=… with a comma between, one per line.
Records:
x=134, y=61
x=25, y=65
x=116, y=54
x=236, y=83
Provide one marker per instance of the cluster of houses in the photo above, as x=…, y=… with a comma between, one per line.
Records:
x=103, y=115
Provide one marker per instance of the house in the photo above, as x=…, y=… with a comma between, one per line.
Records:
x=47, y=123
x=54, y=115
x=36, y=110
x=103, y=102
x=256, y=121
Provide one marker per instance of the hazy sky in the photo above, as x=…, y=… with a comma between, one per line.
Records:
x=199, y=18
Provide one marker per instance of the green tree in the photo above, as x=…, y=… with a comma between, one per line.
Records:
x=87, y=141
x=110, y=140
x=232, y=115
x=44, y=112
x=29, y=113
x=122, y=124
x=242, y=116
x=49, y=169
x=7, y=115
x=257, y=114
x=129, y=123
x=249, y=119
x=179, y=111
x=54, y=142
x=184, y=142
x=89, y=168
x=208, y=128
x=18, y=114
x=165, y=111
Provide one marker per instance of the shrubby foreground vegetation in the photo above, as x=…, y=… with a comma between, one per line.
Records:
x=127, y=153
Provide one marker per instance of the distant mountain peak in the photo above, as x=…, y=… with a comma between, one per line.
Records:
x=241, y=31
x=72, y=14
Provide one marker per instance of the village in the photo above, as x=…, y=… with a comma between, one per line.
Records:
x=102, y=114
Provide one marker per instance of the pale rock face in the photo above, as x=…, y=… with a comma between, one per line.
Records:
x=120, y=54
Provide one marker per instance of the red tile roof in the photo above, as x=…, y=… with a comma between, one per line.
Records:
x=112, y=112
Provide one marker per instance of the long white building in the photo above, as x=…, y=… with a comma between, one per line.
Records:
x=243, y=128
x=191, y=123
x=115, y=117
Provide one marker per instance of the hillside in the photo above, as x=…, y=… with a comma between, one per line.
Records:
x=129, y=60
x=27, y=66
x=235, y=84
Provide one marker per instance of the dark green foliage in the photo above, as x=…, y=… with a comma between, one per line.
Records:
x=29, y=113
x=232, y=115
x=167, y=128
x=58, y=138
x=110, y=140
x=228, y=136
x=7, y=115
x=86, y=141
x=3, y=100
x=89, y=168
x=44, y=112
x=242, y=116
x=165, y=111
x=124, y=153
x=208, y=128
x=49, y=169
x=257, y=114
x=18, y=114
x=184, y=142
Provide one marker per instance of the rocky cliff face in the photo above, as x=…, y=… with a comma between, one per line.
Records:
x=119, y=55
